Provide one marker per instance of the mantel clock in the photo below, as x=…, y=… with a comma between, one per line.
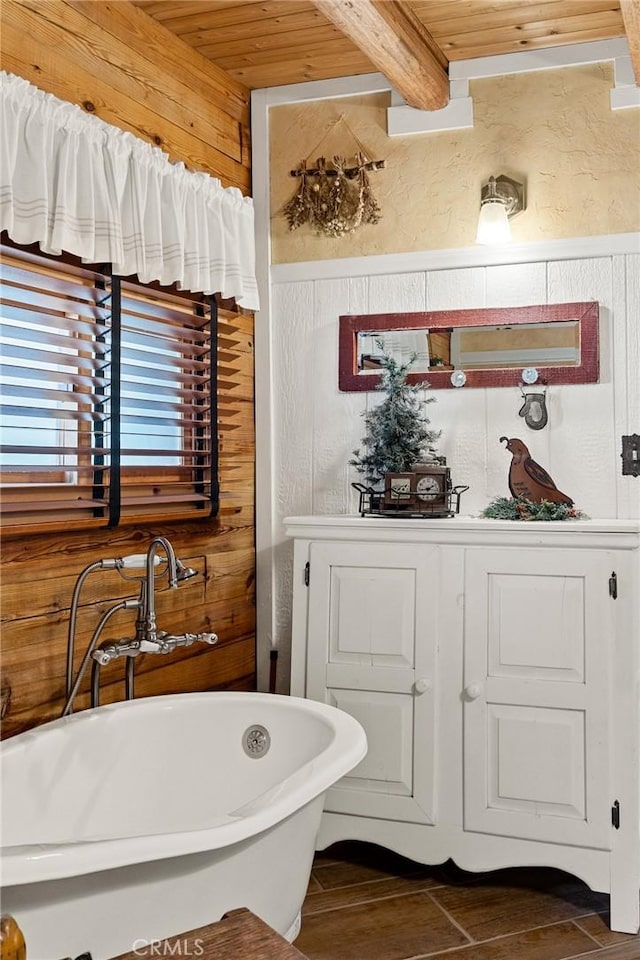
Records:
x=424, y=489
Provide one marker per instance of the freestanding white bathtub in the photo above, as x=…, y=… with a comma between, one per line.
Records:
x=142, y=820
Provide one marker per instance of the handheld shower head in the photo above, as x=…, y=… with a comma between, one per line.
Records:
x=184, y=573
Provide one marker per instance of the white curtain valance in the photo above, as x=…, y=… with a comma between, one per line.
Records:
x=71, y=182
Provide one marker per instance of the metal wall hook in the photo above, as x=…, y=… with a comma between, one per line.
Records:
x=534, y=410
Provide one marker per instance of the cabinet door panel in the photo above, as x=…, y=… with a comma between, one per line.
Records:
x=536, y=627
x=551, y=781
x=538, y=635
x=373, y=613
x=388, y=722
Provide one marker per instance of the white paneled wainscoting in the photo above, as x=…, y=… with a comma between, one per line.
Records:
x=313, y=427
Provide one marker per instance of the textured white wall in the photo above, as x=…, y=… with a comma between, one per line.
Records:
x=315, y=427
x=553, y=129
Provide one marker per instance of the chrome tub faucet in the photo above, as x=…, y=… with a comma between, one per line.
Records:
x=148, y=639
x=163, y=643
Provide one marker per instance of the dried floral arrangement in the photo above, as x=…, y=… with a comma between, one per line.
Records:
x=334, y=197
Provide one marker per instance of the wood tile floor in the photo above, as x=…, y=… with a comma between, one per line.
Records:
x=366, y=903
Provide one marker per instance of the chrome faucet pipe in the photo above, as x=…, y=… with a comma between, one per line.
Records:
x=116, y=563
x=163, y=643
x=73, y=613
x=147, y=638
x=129, y=679
x=149, y=615
x=122, y=605
x=169, y=642
x=95, y=684
x=108, y=652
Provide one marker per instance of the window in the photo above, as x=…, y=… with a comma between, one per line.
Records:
x=108, y=407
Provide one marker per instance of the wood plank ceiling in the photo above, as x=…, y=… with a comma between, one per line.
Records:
x=273, y=42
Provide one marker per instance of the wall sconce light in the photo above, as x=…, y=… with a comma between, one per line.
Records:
x=500, y=199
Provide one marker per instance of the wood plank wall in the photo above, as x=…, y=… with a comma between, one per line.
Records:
x=114, y=60
x=123, y=66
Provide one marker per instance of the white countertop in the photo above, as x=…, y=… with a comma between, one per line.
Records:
x=459, y=529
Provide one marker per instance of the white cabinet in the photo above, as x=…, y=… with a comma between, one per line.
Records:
x=495, y=669
x=366, y=608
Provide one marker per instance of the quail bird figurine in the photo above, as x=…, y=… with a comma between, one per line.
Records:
x=527, y=479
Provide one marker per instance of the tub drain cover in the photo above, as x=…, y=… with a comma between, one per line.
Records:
x=256, y=741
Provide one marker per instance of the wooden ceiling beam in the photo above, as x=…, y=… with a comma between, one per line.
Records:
x=630, y=10
x=398, y=45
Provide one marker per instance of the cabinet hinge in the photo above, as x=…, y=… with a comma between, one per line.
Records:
x=307, y=573
x=613, y=586
x=615, y=814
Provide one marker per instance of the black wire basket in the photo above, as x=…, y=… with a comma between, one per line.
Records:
x=372, y=503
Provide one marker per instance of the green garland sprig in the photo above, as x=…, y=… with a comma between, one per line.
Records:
x=512, y=508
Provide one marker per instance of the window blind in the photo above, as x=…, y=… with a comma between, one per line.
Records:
x=108, y=408
x=167, y=404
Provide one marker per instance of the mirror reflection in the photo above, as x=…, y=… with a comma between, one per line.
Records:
x=498, y=346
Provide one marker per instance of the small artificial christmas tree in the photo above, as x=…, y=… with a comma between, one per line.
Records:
x=397, y=430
